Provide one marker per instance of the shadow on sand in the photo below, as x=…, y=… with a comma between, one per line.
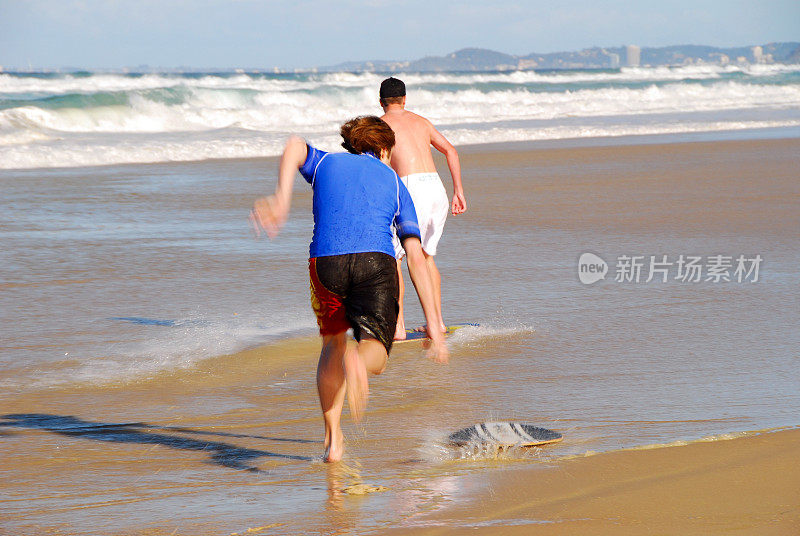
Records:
x=223, y=454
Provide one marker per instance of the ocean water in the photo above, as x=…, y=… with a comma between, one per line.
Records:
x=62, y=120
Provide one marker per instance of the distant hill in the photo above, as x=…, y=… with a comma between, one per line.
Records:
x=478, y=59
x=467, y=59
x=794, y=56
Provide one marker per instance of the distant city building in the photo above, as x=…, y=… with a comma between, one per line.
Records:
x=613, y=60
x=633, y=55
x=526, y=64
x=758, y=54
x=397, y=66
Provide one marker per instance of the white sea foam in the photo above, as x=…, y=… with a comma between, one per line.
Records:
x=206, y=109
x=626, y=74
x=78, y=153
x=39, y=152
x=465, y=136
x=10, y=84
x=179, y=346
x=475, y=106
x=469, y=335
x=95, y=120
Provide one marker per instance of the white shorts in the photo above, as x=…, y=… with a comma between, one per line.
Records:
x=430, y=200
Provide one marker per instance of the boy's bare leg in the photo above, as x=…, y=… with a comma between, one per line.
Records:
x=436, y=281
x=369, y=356
x=400, y=330
x=331, y=388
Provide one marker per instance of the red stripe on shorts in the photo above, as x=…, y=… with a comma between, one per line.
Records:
x=327, y=305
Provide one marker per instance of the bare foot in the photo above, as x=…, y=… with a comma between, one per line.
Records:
x=400, y=330
x=335, y=450
x=355, y=373
x=437, y=351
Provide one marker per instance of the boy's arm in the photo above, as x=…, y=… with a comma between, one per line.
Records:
x=269, y=213
x=418, y=269
x=441, y=144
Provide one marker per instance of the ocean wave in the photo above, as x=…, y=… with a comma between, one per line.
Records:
x=197, y=108
x=499, y=135
x=11, y=85
x=111, y=119
x=472, y=105
x=623, y=75
x=64, y=84
x=77, y=153
x=41, y=151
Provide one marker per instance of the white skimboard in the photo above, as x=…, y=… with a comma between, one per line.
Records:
x=505, y=434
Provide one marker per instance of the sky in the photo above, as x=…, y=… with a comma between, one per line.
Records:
x=108, y=34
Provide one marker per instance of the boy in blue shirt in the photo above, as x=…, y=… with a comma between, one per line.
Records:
x=358, y=201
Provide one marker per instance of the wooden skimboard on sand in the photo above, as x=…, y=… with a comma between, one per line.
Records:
x=412, y=335
x=504, y=434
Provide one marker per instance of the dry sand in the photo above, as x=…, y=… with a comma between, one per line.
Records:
x=749, y=485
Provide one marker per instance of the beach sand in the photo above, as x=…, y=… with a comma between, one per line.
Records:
x=229, y=443
x=748, y=485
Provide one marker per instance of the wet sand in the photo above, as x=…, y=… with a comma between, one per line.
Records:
x=748, y=485
x=222, y=444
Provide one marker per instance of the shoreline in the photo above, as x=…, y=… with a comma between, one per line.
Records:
x=745, y=485
x=622, y=141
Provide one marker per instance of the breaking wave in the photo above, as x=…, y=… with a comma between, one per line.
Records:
x=96, y=119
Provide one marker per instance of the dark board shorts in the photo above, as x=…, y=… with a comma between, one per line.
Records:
x=356, y=290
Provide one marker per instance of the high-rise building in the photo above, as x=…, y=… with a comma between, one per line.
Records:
x=633, y=55
x=758, y=54
x=613, y=60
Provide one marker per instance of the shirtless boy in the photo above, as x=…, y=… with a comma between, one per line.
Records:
x=357, y=200
x=412, y=160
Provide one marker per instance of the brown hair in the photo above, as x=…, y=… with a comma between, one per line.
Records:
x=367, y=133
x=386, y=101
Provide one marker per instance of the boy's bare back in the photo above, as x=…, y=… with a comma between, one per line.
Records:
x=413, y=138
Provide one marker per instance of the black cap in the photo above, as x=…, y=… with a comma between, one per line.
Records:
x=392, y=87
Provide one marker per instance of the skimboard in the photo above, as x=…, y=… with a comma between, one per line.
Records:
x=504, y=434
x=412, y=335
